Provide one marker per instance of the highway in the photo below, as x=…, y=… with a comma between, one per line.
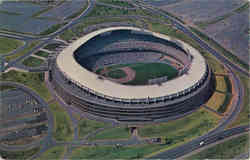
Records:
x=195, y=144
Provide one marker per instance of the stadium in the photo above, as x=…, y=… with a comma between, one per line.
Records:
x=131, y=75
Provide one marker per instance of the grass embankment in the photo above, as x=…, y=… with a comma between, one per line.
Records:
x=113, y=133
x=34, y=81
x=52, y=29
x=221, y=84
x=222, y=50
x=42, y=54
x=184, y=129
x=111, y=152
x=117, y=2
x=7, y=45
x=53, y=153
x=33, y=62
x=29, y=47
x=216, y=101
x=244, y=115
x=20, y=155
x=226, y=150
x=86, y=126
x=63, y=130
x=52, y=46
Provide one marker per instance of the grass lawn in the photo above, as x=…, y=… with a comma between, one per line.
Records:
x=63, y=130
x=113, y=133
x=243, y=117
x=20, y=155
x=42, y=54
x=4, y=88
x=216, y=101
x=34, y=81
x=118, y=3
x=111, y=152
x=53, y=153
x=221, y=84
x=226, y=150
x=23, y=52
x=7, y=45
x=87, y=126
x=33, y=62
x=116, y=74
x=52, y=29
x=183, y=129
x=52, y=46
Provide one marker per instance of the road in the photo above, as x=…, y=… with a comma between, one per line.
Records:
x=195, y=144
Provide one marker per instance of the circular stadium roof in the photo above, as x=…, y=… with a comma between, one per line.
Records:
x=81, y=76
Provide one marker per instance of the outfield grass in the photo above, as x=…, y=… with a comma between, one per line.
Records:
x=221, y=84
x=111, y=152
x=113, y=133
x=33, y=62
x=243, y=117
x=7, y=45
x=183, y=129
x=63, y=130
x=20, y=155
x=216, y=101
x=226, y=150
x=53, y=153
x=42, y=54
x=34, y=81
x=116, y=74
x=86, y=126
x=23, y=52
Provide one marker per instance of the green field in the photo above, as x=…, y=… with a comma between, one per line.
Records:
x=63, y=130
x=221, y=84
x=23, y=52
x=20, y=155
x=42, y=54
x=7, y=45
x=116, y=74
x=111, y=152
x=226, y=150
x=183, y=129
x=87, y=126
x=117, y=2
x=216, y=101
x=33, y=80
x=52, y=46
x=147, y=71
x=113, y=133
x=53, y=153
x=33, y=62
